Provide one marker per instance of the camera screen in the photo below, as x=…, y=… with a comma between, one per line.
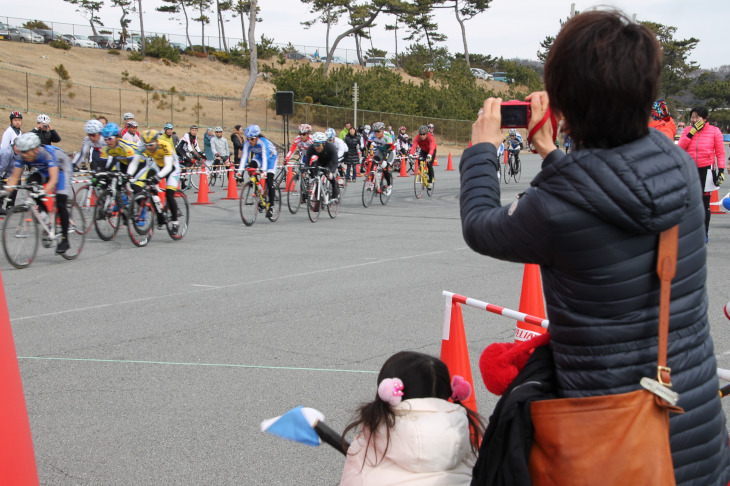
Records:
x=514, y=115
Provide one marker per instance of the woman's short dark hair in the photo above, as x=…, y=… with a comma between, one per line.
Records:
x=602, y=74
x=238, y=127
x=701, y=112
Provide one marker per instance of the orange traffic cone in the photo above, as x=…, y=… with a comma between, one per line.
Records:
x=403, y=168
x=435, y=162
x=531, y=302
x=455, y=353
x=161, y=186
x=17, y=460
x=232, y=188
x=203, y=191
x=450, y=165
x=715, y=206
x=289, y=176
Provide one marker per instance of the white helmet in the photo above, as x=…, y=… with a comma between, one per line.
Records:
x=330, y=133
x=367, y=128
x=132, y=123
x=128, y=116
x=27, y=141
x=513, y=132
x=43, y=118
x=218, y=129
x=377, y=126
x=319, y=137
x=93, y=126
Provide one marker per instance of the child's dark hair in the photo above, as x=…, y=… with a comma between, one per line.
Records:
x=423, y=376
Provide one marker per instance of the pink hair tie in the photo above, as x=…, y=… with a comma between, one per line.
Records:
x=460, y=389
x=390, y=391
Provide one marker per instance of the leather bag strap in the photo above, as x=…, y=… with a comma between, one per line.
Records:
x=666, y=269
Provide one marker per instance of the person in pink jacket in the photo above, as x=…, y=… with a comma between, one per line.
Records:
x=703, y=142
x=411, y=433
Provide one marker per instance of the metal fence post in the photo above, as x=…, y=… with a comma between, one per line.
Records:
x=90, y=106
x=147, y=110
x=172, y=99
x=59, y=97
x=197, y=111
x=120, y=103
x=27, y=94
x=221, y=112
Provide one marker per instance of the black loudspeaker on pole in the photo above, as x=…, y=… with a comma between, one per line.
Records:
x=285, y=103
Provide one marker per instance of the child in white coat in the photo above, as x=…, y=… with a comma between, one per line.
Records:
x=411, y=433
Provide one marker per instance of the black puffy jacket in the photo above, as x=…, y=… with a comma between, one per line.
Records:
x=591, y=221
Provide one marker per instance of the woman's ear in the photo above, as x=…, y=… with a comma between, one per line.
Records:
x=562, y=122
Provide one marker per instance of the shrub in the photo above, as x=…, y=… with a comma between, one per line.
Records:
x=36, y=24
x=135, y=56
x=62, y=72
x=71, y=94
x=160, y=48
x=60, y=44
x=49, y=84
x=113, y=52
x=135, y=81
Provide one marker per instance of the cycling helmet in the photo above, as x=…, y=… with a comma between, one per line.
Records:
x=422, y=130
x=659, y=110
x=367, y=128
x=150, y=136
x=218, y=129
x=377, y=126
x=132, y=123
x=43, y=118
x=252, y=131
x=513, y=132
x=330, y=133
x=93, y=127
x=111, y=129
x=305, y=128
x=319, y=137
x=402, y=128
x=27, y=141
x=128, y=116
x=15, y=114
x=193, y=127
x=430, y=126
x=168, y=126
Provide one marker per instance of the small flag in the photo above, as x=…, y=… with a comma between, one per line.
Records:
x=296, y=425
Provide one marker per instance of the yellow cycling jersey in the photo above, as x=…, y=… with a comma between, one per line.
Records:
x=123, y=150
x=163, y=150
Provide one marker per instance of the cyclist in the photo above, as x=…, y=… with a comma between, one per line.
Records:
x=220, y=147
x=162, y=163
x=91, y=146
x=341, y=147
x=513, y=142
x=132, y=133
x=16, y=121
x=403, y=144
x=117, y=153
x=128, y=117
x=301, y=143
x=365, y=145
x=324, y=154
x=383, y=151
x=44, y=131
x=167, y=134
x=7, y=164
x=263, y=155
x=427, y=144
x=53, y=167
x=187, y=148
x=431, y=128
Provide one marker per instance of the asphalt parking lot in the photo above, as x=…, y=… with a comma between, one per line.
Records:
x=155, y=365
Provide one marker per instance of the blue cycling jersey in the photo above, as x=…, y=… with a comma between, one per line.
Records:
x=264, y=152
x=47, y=158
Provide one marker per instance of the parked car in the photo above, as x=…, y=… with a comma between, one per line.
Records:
x=103, y=41
x=24, y=35
x=48, y=35
x=294, y=56
x=481, y=74
x=128, y=46
x=379, y=61
x=77, y=40
x=179, y=46
x=4, y=34
x=499, y=76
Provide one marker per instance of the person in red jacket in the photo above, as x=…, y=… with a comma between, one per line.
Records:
x=703, y=142
x=425, y=141
x=661, y=120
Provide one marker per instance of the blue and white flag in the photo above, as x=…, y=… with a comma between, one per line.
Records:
x=297, y=425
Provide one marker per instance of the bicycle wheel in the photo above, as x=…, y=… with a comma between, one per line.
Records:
x=293, y=194
x=248, y=204
x=183, y=216
x=107, y=216
x=212, y=176
x=277, y=204
x=342, y=186
x=334, y=204
x=516, y=170
x=418, y=184
x=86, y=199
x=385, y=193
x=76, y=234
x=368, y=189
x=20, y=236
x=141, y=218
x=194, y=175
x=429, y=189
x=505, y=173
x=313, y=205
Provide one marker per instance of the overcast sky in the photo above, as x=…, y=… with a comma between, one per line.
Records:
x=510, y=28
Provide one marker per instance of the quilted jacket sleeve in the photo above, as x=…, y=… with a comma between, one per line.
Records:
x=518, y=232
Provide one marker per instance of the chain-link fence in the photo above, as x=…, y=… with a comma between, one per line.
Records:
x=35, y=94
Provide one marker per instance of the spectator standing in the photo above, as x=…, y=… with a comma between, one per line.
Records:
x=661, y=120
x=345, y=130
x=44, y=130
x=352, y=157
x=680, y=129
x=13, y=131
x=219, y=145
x=237, y=139
x=207, y=149
x=703, y=142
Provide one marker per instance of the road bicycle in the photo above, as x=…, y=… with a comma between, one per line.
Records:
x=375, y=182
x=513, y=161
x=421, y=179
x=190, y=174
x=297, y=191
x=505, y=174
x=320, y=194
x=86, y=197
x=254, y=198
x=110, y=211
x=20, y=229
x=146, y=205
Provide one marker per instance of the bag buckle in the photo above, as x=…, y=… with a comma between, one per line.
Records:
x=668, y=371
x=670, y=396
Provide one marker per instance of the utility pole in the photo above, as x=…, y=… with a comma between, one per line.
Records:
x=354, y=100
